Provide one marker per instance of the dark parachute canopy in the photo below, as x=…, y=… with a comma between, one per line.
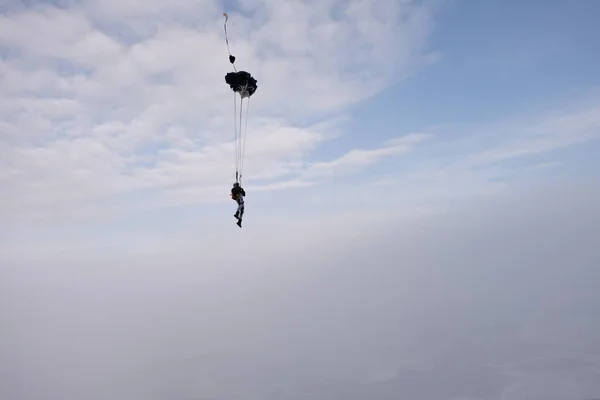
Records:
x=241, y=82
x=244, y=85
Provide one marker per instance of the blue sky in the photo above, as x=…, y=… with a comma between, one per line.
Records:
x=489, y=70
x=499, y=60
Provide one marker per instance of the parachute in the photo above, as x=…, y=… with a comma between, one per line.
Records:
x=241, y=82
x=243, y=86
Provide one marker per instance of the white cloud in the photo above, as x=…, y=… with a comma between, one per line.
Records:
x=551, y=133
x=476, y=162
x=361, y=158
x=100, y=99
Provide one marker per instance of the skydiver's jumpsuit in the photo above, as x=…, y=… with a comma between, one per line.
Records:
x=237, y=194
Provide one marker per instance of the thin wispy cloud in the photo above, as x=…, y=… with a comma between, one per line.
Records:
x=553, y=132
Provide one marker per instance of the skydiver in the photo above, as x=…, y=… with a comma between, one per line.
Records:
x=237, y=194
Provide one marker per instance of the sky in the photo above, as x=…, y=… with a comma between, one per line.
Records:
x=422, y=211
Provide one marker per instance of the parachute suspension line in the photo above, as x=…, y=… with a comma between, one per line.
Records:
x=231, y=58
x=239, y=148
x=235, y=137
x=245, y=130
x=240, y=135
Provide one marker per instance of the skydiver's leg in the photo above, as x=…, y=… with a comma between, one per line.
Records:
x=240, y=212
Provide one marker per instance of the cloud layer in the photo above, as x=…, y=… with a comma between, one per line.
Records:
x=495, y=300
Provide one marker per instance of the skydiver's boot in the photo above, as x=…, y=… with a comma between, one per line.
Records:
x=239, y=223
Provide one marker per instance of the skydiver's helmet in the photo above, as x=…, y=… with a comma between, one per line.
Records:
x=236, y=184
